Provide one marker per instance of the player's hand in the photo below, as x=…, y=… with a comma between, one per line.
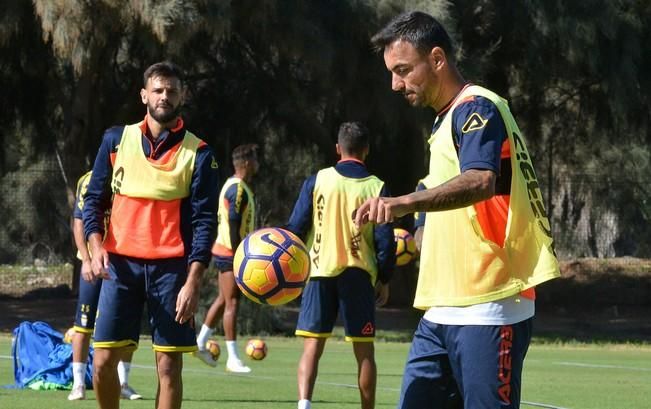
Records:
x=186, y=303
x=87, y=270
x=188, y=299
x=378, y=210
x=100, y=264
x=381, y=294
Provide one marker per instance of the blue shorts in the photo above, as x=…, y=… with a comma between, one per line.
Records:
x=133, y=283
x=323, y=297
x=87, y=305
x=223, y=263
x=483, y=361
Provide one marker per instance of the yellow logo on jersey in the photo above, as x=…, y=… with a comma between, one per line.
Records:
x=214, y=164
x=474, y=123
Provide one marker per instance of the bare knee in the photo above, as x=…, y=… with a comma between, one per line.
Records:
x=364, y=352
x=105, y=362
x=313, y=348
x=169, y=366
x=232, y=304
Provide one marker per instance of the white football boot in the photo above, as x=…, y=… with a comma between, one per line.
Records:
x=205, y=356
x=78, y=392
x=127, y=392
x=236, y=366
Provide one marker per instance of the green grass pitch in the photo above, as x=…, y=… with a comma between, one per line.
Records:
x=572, y=376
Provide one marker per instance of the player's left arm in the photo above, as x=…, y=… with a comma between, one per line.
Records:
x=203, y=200
x=78, y=230
x=466, y=189
x=478, y=172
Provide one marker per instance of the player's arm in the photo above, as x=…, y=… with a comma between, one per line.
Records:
x=82, y=247
x=466, y=189
x=78, y=233
x=300, y=220
x=97, y=200
x=203, y=202
x=479, y=157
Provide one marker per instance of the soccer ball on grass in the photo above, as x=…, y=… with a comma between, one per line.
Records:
x=256, y=349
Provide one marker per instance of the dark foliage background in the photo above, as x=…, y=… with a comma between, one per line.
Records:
x=286, y=73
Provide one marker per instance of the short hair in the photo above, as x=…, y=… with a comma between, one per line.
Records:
x=242, y=153
x=164, y=69
x=353, y=137
x=420, y=29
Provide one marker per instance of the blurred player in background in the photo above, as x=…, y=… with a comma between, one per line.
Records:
x=163, y=222
x=236, y=219
x=487, y=240
x=89, y=289
x=349, y=265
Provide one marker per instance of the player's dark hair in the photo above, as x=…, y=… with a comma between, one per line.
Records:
x=243, y=153
x=420, y=29
x=353, y=137
x=165, y=69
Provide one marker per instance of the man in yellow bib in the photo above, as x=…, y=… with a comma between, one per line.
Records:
x=487, y=240
x=163, y=182
x=236, y=219
x=347, y=262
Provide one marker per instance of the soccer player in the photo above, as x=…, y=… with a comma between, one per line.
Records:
x=487, y=240
x=89, y=290
x=349, y=264
x=162, y=225
x=236, y=219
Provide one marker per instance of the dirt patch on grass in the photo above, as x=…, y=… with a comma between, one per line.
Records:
x=595, y=299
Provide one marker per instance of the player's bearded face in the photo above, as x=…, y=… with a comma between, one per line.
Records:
x=163, y=111
x=163, y=98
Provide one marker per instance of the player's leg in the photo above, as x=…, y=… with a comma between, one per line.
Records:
x=357, y=306
x=117, y=328
x=216, y=310
x=228, y=289
x=316, y=320
x=105, y=379
x=124, y=369
x=169, y=366
x=170, y=339
x=366, y=372
x=84, y=325
x=231, y=293
x=428, y=375
x=308, y=368
x=80, y=348
x=488, y=360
